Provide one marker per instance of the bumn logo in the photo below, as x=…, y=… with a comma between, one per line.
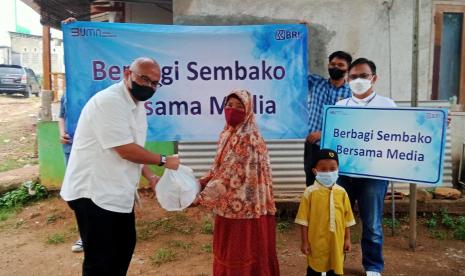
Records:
x=90, y=32
x=284, y=35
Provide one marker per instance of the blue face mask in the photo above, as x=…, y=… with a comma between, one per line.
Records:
x=327, y=179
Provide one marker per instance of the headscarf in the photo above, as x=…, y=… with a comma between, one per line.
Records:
x=239, y=182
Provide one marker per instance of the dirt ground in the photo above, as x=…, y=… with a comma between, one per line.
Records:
x=37, y=240
x=18, y=117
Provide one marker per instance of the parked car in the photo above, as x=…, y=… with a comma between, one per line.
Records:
x=18, y=79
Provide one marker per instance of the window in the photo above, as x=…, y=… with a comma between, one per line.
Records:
x=449, y=53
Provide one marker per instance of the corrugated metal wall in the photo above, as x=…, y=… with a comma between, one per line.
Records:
x=286, y=163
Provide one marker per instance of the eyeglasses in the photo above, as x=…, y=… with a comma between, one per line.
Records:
x=153, y=84
x=360, y=76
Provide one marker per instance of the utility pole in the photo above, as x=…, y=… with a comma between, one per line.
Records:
x=414, y=103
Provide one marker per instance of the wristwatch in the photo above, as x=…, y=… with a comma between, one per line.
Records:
x=162, y=160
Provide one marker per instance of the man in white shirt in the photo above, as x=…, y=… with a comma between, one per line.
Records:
x=105, y=166
x=369, y=193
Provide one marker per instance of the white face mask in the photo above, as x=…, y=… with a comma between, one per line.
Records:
x=327, y=179
x=359, y=86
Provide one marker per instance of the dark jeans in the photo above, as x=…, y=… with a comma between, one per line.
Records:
x=369, y=194
x=109, y=238
x=310, y=152
x=311, y=272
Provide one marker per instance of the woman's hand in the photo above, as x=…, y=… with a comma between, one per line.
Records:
x=196, y=202
x=153, y=181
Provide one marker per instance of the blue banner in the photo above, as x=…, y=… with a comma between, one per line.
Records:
x=399, y=144
x=200, y=65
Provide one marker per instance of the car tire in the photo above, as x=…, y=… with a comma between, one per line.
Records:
x=28, y=92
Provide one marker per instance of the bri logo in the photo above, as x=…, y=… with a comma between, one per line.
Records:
x=90, y=32
x=285, y=35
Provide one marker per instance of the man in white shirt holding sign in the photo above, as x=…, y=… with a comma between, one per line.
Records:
x=105, y=166
x=369, y=193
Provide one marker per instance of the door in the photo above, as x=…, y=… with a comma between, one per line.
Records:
x=449, y=53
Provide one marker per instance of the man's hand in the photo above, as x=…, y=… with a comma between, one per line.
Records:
x=305, y=248
x=172, y=162
x=314, y=137
x=65, y=138
x=68, y=20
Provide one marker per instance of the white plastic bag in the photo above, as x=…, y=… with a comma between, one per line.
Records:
x=177, y=189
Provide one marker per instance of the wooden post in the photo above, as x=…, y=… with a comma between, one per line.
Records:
x=414, y=100
x=46, y=61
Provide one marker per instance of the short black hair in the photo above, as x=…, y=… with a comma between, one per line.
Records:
x=364, y=61
x=342, y=55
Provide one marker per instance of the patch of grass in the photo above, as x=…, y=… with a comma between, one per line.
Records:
x=459, y=233
x=52, y=218
x=207, y=248
x=175, y=223
x=163, y=255
x=181, y=244
x=447, y=220
x=283, y=226
x=6, y=213
x=389, y=222
x=460, y=221
x=207, y=227
x=56, y=238
x=438, y=234
x=432, y=222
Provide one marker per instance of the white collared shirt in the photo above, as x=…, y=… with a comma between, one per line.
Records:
x=95, y=170
x=372, y=100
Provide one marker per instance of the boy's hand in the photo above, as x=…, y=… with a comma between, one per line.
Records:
x=305, y=248
x=347, y=245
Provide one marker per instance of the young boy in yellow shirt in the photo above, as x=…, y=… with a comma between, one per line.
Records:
x=325, y=216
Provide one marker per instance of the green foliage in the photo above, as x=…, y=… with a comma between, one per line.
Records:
x=181, y=244
x=460, y=221
x=28, y=192
x=56, y=238
x=459, y=233
x=447, y=220
x=283, y=226
x=207, y=248
x=432, y=222
x=437, y=234
x=389, y=222
x=207, y=227
x=163, y=255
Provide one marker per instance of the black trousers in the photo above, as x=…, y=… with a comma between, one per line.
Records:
x=311, y=272
x=109, y=238
x=310, y=152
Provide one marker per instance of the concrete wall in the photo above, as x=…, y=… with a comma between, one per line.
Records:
x=30, y=49
x=360, y=27
x=147, y=14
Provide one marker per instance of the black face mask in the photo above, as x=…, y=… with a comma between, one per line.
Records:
x=141, y=92
x=336, y=73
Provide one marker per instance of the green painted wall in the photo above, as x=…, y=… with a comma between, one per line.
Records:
x=52, y=162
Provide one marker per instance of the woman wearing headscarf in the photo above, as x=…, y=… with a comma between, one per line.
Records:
x=238, y=189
